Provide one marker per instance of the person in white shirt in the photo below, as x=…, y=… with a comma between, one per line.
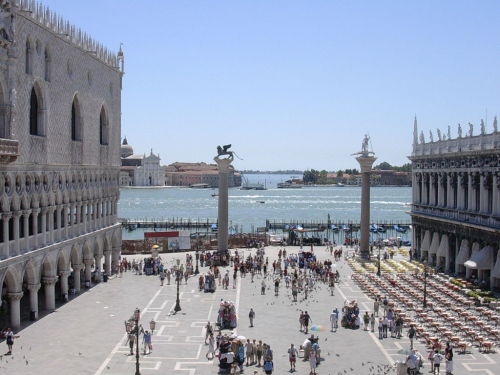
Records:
x=292, y=357
x=438, y=358
x=334, y=319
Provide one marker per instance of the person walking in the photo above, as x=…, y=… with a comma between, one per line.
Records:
x=292, y=357
x=438, y=358
x=263, y=287
x=307, y=320
x=9, y=339
x=313, y=362
x=411, y=335
x=162, y=277
x=276, y=286
x=131, y=341
x=208, y=331
x=366, y=320
x=334, y=319
x=372, y=322
x=146, y=339
x=259, y=352
x=249, y=352
x=448, y=355
x=380, y=328
x=251, y=316
x=376, y=305
x=385, y=324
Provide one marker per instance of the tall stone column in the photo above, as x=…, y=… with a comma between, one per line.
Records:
x=461, y=183
x=26, y=229
x=15, y=309
x=449, y=191
x=470, y=198
x=97, y=274
x=76, y=276
x=222, y=219
x=50, y=236
x=16, y=245
x=35, y=212
x=33, y=289
x=496, y=194
x=107, y=262
x=115, y=257
x=59, y=222
x=365, y=162
x=441, y=191
x=88, y=271
x=63, y=277
x=483, y=192
x=425, y=188
x=49, y=283
x=6, y=240
x=78, y=224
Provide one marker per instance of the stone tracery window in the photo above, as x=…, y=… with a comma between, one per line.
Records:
x=35, y=123
x=76, y=123
x=103, y=128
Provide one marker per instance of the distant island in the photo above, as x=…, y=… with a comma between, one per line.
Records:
x=287, y=171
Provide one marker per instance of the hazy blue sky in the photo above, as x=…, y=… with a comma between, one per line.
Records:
x=296, y=84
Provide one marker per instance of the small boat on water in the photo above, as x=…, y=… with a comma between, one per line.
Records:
x=215, y=195
x=340, y=184
x=261, y=201
x=252, y=186
x=289, y=185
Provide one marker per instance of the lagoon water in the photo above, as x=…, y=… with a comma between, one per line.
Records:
x=246, y=211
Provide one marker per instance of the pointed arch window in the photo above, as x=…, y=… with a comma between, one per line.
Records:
x=35, y=128
x=76, y=126
x=103, y=128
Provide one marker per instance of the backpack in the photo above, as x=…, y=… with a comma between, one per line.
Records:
x=268, y=366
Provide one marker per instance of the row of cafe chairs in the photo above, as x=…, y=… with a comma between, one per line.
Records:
x=450, y=315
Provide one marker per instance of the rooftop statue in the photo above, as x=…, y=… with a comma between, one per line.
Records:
x=431, y=137
x=422, y=138
x=471, y=129
x=439, y=134
x=483, y=130
x=449, y=132
x=495, y=124
x=459, y=131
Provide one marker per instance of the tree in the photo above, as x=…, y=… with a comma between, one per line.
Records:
x=384, y=166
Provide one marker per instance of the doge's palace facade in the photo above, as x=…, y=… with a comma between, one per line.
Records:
x=456, y=201
x=60, y=98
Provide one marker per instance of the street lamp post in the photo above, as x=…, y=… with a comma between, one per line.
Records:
x=196, y=271
x=425, y=285
x=177, y=307
x=137, y=316
x=378, y=270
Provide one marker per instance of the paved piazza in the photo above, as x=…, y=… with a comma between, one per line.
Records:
x=87, y=336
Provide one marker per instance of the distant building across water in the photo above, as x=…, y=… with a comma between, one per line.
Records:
x=197, y=174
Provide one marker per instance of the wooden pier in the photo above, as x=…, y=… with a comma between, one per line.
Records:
x=286, y=225
x=168, y=223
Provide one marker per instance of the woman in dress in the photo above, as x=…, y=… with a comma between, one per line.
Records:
x=211, y=347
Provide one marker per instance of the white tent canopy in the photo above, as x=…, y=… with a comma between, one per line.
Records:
x=426, y=242
x=481, y=260
x=463, y=254
x=444, y=247
x=434, y=244
x=496, y=270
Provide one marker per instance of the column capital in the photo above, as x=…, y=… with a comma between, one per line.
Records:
x=6, y=216
x=88, y=261
x=45, y=210
x=35, y=210
x=64, y=273
x=16, y=214
x=34, y=287
x=16, y=296
x=26, y=212
x=77, y=267
x=49, y=280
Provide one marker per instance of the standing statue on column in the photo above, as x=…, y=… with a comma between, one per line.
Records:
x=365, y=147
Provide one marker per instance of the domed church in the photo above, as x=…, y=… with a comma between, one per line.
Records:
x=140, y=170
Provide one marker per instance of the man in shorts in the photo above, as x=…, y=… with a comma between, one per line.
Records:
x=292, y=357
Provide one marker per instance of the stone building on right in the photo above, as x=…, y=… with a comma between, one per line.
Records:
x=456, y=202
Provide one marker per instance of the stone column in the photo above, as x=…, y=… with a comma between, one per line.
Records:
x=222, y=219
x=58, y=220
x=365, y=162
x=49, y=283
x=425, y=188
x=115, y=257
x=441, y=181
x=97, y=274
x=26, y=226
x=449, y=191
x=15, y=309
x=15, y=220
x=51, y=237
x=496, y=195
x=35, y=212
x=461, y=190
x=78, y=225
x=470, y=197
x=67, y=220
x=107, y=262
x=76, y=276
x=483, y=192
x=33, y=289
x=6, y=240
x=43, y=239
x=88, y=271
x=63, y=277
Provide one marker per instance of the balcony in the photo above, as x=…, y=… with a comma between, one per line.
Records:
x=460, y=216
x=9, y=150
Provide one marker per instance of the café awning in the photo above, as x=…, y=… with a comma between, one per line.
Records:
x=482, y=260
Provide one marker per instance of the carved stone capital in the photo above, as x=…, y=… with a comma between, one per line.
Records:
x=34, y=288
x=6, y=216
x=77, y=267
x=49, y=280
x=64, y=273
x=16, y=296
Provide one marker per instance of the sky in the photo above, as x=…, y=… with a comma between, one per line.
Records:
x=296, y=84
